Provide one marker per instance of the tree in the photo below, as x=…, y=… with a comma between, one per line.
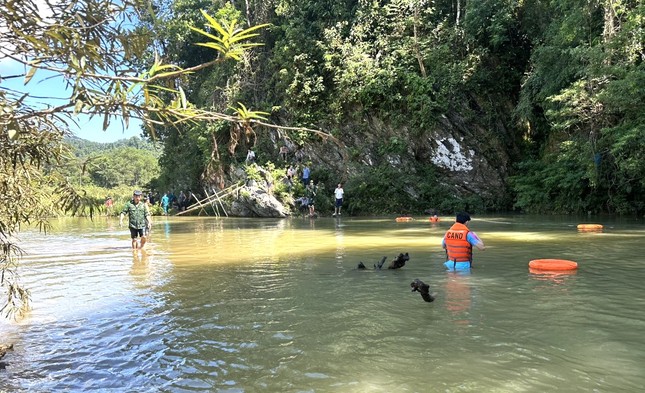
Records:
x=93, y=48
x=125, y=166
x=203, y=160
x=586, y=82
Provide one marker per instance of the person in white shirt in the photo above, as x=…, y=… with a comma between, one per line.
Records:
x=250, y=156
x=338, y=193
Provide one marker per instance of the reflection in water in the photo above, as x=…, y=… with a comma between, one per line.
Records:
x=233, y=305
x=166, y=226
x=340, y=241
x=458, y=296
x=557, y=277
x=140, y=264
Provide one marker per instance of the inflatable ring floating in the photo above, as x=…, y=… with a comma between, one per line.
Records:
x=553, y=264
x=403, y=219
x=590, y=227
x=553, y=274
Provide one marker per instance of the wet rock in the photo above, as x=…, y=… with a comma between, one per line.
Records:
x=423, y=288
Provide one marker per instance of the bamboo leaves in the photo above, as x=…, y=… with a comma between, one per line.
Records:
x=230, y=41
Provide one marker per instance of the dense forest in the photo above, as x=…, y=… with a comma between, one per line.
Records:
x=548, y=95
x=128, y=162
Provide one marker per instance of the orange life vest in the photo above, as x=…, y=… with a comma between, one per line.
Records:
x=457, y=246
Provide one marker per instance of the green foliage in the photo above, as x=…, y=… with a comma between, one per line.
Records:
x=254, y=172
x=385, y=190
x=588, y=82
x=184, y=158
x=271, y=178
x=128, y=162
x=561, y=183
x=539, y=79
x=395, y=145
x=124, y=166
x=25, y=199
x=230, y=40
x=84, y=148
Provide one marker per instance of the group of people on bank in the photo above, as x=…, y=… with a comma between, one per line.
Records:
x=309, y=199
x=168, y=201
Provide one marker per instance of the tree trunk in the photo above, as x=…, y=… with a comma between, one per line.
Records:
x=417, y=50
x=610, y=27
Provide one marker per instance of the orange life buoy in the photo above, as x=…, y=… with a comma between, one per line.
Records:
x=590, y=227
x=552, y=274
x=553, y=264
x=403, y=219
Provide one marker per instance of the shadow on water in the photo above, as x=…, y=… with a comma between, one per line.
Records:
x=241, y=305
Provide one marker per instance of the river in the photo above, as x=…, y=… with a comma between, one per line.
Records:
x=277, y=305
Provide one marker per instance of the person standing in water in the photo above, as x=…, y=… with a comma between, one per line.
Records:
x=310, y=193
x=458, y=243
x=139, y=219
x=338, y=193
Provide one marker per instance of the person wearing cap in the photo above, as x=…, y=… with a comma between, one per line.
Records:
x=139, y=219
x=310, y=193
x=458, y=243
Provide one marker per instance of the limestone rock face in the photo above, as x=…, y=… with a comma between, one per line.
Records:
x=470, y=160
x=256, y=202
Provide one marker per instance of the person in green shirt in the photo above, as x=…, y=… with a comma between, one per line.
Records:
x=138, y=219
x=310, y=193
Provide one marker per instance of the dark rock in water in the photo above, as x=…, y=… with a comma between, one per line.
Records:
x=380, y=264
x=399, y=261
x=423, y=288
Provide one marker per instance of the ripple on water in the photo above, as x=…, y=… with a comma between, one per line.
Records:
x=302, y=318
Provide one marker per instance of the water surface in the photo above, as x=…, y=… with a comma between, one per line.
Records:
x=243, y=305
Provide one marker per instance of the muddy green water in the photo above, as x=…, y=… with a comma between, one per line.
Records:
x=244, y=305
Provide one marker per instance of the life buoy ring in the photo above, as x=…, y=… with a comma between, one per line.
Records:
x=553, y=274
x=590, y=227
x=553, y=264
x=403, y=219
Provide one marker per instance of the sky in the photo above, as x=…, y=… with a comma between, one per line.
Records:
x=43, y=85
x=49, y=87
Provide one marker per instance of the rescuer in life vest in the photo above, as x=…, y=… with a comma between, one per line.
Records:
x=458, y=243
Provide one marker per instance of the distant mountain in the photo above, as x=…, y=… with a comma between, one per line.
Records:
x=83, y=147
